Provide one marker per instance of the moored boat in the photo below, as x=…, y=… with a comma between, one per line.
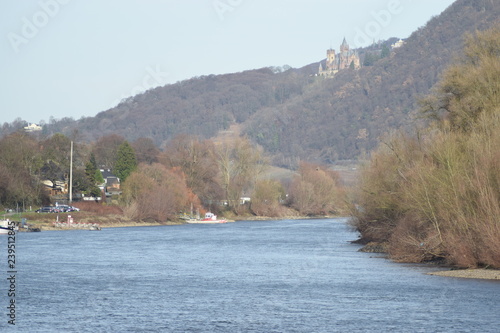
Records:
x=209, y=218
x=7, y=225
x=95, y=227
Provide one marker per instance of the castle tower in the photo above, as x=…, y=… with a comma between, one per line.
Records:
x=344, y=55
x=330, y=59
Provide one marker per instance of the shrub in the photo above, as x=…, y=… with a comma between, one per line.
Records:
x=316, y=191
x=267, y=199
x=438, y=194
x=156, y=193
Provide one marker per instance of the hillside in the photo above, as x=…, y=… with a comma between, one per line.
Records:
x=344, y=117
x=200, y=106
x=290, y=112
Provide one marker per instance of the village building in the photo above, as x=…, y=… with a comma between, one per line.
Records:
x=32, y=128
x=111, y=184
x=399, y=43
x=59, y=188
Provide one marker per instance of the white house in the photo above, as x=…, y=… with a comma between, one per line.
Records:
x=32, y=128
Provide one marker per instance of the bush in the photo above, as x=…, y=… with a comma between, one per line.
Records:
x=268, y=198
x=316, y=191
x=155, y=193
x=437, y=195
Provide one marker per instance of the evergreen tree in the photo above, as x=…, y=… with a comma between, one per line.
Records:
x=385, y=52
x=90, y=168
x=126, y=161
x=94, y=177
x=370, y=59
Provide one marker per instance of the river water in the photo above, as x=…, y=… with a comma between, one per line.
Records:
x=265, y=276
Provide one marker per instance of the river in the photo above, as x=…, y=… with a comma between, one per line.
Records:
x=259, y=276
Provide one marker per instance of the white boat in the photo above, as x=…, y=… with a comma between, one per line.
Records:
x=6, y=225
x=209, y=218
x=95, y=227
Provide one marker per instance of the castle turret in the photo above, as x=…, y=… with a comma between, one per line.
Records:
x=344, y=47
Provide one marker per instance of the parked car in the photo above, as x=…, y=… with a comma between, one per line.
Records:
x=66, y=208
x=47, y=209
x=57, y=209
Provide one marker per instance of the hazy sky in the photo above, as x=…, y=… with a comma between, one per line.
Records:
x=74, y=58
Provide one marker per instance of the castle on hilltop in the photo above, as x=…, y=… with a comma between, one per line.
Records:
x=345, y=59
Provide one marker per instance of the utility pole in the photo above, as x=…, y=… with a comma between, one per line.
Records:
x=71, y=174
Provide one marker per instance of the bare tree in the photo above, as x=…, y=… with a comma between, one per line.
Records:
x=196, y=160
x=145, y=150
x=240, y=163
x=105, y=150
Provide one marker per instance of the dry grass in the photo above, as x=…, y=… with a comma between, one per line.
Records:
x=97, y=208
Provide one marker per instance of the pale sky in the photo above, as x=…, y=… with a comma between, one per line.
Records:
x=74, y=58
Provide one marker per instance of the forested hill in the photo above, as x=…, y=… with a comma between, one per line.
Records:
x=201, y=106
x=292, y=113
x=344, y=117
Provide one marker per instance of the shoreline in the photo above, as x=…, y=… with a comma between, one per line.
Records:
x=470, y=273
x=114, y=225
x=447, y=270
x=123, y=224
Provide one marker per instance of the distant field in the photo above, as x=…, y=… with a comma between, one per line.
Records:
x=348, y=173
x=277, y=173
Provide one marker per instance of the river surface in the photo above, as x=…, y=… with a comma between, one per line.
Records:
x=265, y=276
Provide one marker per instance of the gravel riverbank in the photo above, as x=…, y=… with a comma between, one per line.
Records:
x=479, y=273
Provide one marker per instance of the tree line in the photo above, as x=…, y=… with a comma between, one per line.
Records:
x=190, y=174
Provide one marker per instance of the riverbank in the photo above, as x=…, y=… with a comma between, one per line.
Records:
x=46, y=222
x=47, y=226
x=473, y=273
x=477, y=273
